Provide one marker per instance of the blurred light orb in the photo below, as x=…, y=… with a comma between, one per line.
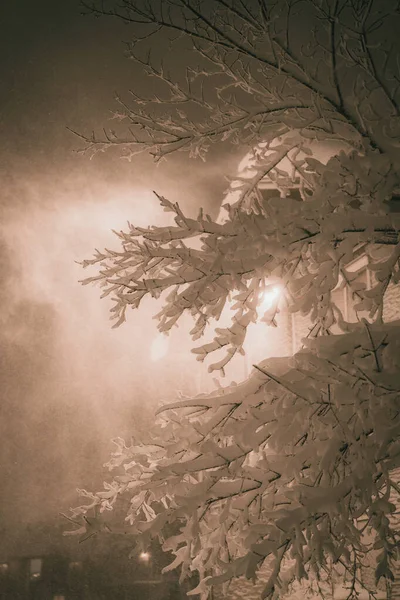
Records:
x=159, y=347
x=144, y=556
x=268, y=297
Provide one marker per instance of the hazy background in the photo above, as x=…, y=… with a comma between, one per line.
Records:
x=68, y=382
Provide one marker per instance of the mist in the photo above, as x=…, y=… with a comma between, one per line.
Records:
x=70, y=382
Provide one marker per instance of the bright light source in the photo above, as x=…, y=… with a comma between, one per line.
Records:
x=268, y=297
x=159, y=347
x=144, y=556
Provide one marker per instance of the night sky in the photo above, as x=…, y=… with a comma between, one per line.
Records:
x=70, y=383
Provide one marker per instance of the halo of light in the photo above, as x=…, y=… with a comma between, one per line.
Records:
x=159, y=347
x=268, y=297
x=144, y=556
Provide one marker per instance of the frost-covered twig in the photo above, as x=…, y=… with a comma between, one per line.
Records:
x=235, y=473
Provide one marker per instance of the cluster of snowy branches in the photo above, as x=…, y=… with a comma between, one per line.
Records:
x=328, y=68
x=292, y=465
x=304, y=246
x=295, y=465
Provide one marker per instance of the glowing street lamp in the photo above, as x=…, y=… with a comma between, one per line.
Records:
x=144, y=557
x=268, y=298
x=258, y=344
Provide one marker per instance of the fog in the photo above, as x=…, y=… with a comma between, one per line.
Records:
x=69, y=382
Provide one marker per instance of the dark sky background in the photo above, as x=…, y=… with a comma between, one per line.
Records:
x=69, y=383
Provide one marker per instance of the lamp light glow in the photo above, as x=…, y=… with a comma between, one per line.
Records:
x=268, y=298
x=144, y=556
x=159, y=348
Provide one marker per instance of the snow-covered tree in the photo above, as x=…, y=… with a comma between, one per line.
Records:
x=294, y=466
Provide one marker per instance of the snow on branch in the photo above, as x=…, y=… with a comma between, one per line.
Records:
x=252, y=66
x=303, y=246
x=294, y=468
x=293, y=465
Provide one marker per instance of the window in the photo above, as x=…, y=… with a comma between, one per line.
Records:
x=358, y=268
x=352, y=299
x=269, y=190
x=394, y=202
x=35, y=568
